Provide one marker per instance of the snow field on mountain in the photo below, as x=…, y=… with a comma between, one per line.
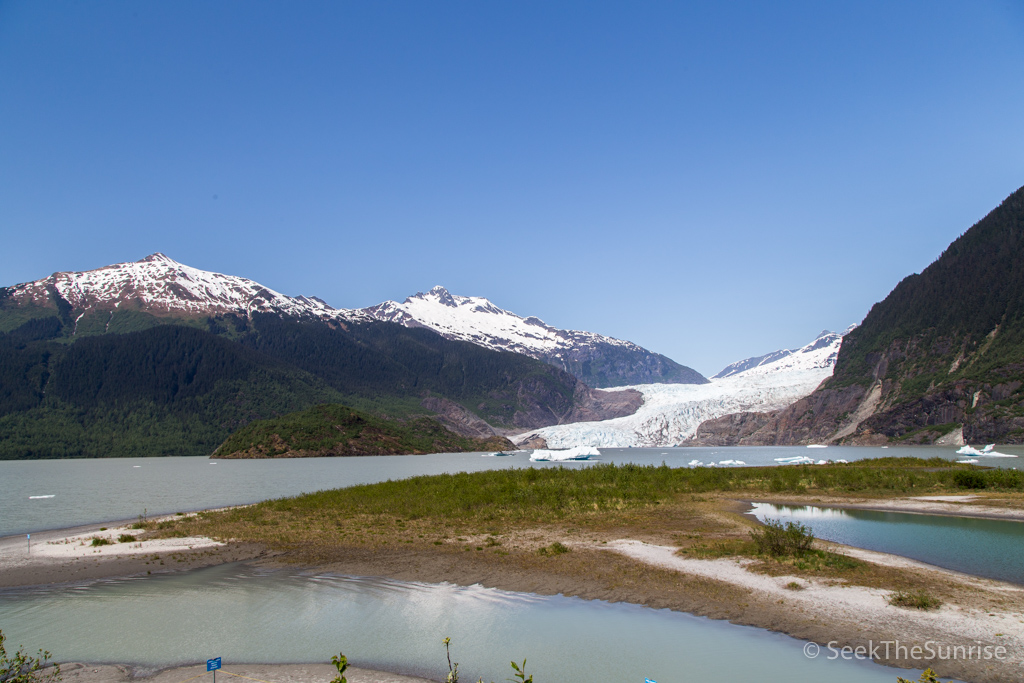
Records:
x=475, y=319
x=162, y=283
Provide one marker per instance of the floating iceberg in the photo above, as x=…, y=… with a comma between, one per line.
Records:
x=38, y=497
x=498, y=454
x=577, y=453
x=816, y=445
x=986, y=452
x=732, y=463
x=968, y=461
x=796, y=460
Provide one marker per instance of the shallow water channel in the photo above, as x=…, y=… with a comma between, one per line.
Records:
x=992, y=548
x=247, y=615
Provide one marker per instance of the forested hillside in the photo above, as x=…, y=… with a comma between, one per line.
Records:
x=941, y=357
x=176, y=389
x=337, y=430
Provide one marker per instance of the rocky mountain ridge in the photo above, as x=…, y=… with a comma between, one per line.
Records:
x=160, y=286
x=598, y=360
x=939, y=360
x=134, y=295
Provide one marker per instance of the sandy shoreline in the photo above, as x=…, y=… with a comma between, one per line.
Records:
x=67, y=555
x=984, y=613
x=75, y=672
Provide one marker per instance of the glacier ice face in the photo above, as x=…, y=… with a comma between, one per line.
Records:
x=671, y=413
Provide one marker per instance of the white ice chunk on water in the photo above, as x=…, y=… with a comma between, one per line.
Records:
x=577, y=453
x=985, y=452
x=38, y=497
x=732, y=463
x=795, y=460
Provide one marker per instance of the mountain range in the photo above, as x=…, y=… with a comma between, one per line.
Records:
x=597, y=360
x=127, y=296
x=155, y=357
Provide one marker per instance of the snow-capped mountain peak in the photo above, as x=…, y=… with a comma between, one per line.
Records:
x=808, y=357
x=477, y=320
x=162, y=286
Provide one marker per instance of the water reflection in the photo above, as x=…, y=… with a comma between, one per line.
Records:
x=248, y=615
x=983, y=547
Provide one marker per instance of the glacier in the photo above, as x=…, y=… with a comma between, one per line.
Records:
x=671, y=413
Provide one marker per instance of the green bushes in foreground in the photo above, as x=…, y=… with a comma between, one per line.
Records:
x=21, y=667
x=777, y=539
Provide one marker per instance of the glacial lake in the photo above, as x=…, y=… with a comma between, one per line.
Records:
x=56, y=494
x=247, y=615
x=993, y=548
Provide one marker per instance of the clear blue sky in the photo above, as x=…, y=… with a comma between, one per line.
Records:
x=710, y=180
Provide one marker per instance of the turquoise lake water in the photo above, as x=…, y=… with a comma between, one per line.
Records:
x=246, y=615
x=983, y=547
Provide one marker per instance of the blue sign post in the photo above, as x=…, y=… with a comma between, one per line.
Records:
x=213, y=665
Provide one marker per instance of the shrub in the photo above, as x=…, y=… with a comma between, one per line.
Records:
x=340, y=662
x=96, y=540
x=20, y=667
x=969, y=479
x=777, y=539
x=927, y=676
x=919, y=599
x=555, y=548
x=126, y=538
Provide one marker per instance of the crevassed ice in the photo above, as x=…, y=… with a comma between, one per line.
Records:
x=671, y=413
